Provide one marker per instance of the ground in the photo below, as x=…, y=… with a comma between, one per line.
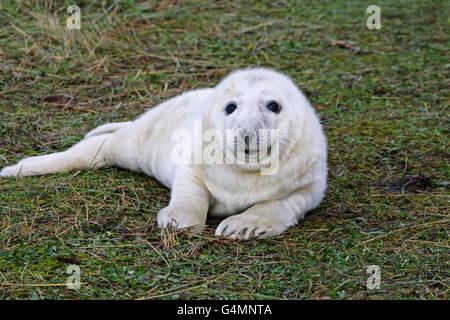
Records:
x=382, y=96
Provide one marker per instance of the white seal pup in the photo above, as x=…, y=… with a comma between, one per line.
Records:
x=260, y=193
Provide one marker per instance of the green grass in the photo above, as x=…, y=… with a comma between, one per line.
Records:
x=384, y=109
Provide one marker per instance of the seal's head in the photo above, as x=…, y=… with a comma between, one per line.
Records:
x=259, y=112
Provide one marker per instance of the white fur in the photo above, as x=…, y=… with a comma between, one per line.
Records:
x=256, y=205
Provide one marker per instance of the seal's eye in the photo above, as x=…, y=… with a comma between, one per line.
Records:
x=273, y=106
x=230, y=107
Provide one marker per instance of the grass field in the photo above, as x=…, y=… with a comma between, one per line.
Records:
x=382, y=96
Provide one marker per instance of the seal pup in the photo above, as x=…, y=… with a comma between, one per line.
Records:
x=260, y=194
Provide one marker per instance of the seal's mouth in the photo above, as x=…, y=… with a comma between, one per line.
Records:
x=253, y=151
x=250, y=147
x=257, y=153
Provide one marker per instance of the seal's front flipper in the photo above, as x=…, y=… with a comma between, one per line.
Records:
x=189, y=202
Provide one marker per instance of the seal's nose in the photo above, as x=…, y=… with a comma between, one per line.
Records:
x=249, y=137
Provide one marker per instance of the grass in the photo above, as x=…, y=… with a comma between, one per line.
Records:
x=382, y=96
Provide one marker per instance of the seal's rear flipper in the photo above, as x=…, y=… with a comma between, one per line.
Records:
x=107, y=128
x=88, y=153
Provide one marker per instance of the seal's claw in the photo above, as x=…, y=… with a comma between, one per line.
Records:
x=179, y=218
x=246, y=226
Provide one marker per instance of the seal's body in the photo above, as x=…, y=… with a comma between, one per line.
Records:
x=250, y=104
